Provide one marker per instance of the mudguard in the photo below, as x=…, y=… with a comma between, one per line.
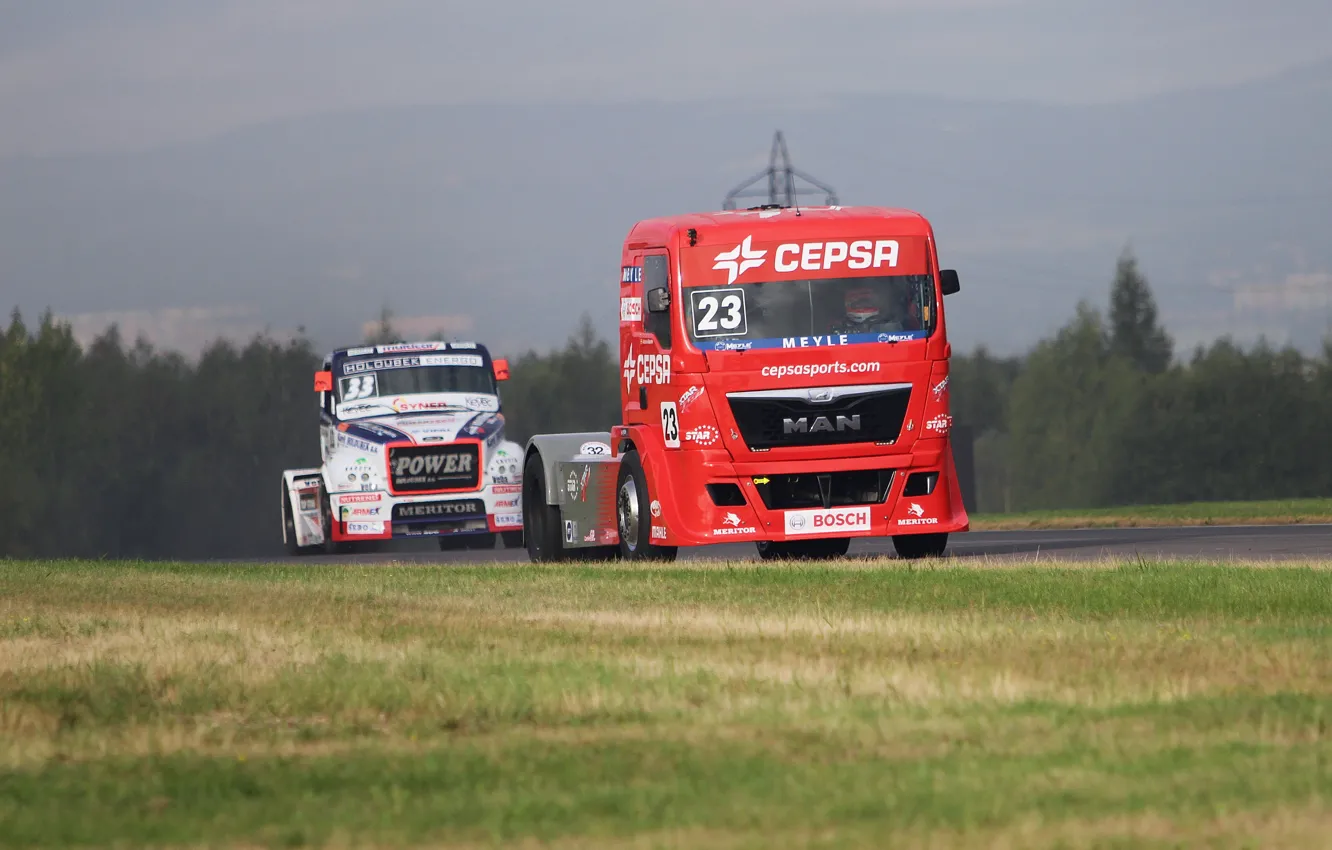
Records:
x=308, y=522
x=556, y=448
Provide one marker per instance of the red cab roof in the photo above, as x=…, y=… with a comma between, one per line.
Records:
x=773, y=224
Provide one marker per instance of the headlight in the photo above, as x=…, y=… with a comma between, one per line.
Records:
x=365, y=476
x=503, y=467
x=351, y=477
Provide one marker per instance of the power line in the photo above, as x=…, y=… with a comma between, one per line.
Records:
x=781, y=175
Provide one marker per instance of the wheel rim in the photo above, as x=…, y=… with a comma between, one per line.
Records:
x=627, y=508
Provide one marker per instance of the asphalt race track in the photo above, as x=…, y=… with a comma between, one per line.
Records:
x=1255, y=542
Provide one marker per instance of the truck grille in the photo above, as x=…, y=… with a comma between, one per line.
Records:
x=430, y=469
x=800, y=417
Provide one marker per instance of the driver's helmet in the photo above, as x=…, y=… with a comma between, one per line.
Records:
x=861, y=305
x=909, y=309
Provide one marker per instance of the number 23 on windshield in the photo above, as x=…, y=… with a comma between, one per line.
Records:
x=718, y=312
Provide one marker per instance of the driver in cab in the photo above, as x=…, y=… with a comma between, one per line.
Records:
x=877, y=310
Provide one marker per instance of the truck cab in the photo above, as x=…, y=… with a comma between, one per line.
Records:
x=784, y=380
x=412, y=445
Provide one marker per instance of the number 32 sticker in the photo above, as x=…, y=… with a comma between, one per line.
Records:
x=670, y=425
x=718, y=312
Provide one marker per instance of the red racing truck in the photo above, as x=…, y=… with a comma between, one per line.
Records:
x=784, y=380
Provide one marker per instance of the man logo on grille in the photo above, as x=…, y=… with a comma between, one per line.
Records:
x=821, y=424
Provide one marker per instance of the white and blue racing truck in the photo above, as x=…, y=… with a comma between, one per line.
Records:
x=412, y=442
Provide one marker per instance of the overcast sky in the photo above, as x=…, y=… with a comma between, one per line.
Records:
x=102, y=76
x=122, y=74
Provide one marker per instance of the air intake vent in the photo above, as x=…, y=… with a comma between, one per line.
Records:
x=920, y=484
x=726, y=495
x=825, y=489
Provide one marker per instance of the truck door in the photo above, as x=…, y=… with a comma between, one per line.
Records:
x=647, y=364
x=328, y=435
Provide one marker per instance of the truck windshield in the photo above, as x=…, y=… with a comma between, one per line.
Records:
x=791, y=313
x=367, y=386
x=421, y=379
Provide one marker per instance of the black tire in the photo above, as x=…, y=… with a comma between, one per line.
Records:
x=542, y=529
x=511, y=539
x=913, y=546
x=452, y=542
x=479, y=541
x=632, y=514
x=821, y=549
x=828, y=547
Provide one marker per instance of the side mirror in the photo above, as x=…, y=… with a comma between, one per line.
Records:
x=948, y=282
x=323, y=382
x=658, y=300
x=501, y=369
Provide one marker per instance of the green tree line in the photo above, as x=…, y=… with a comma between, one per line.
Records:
x=122, y=450
x=1104, y=413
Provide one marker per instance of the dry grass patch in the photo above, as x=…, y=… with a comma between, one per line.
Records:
x=1286, y=827
x=703, y=704
x=925, y=659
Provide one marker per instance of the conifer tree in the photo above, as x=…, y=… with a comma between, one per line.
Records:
x=1134, y=332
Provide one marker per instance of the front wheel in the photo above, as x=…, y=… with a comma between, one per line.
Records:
x=632, y=514
x=912, y=546
x=479, y=541
x=813, y=550
x=459, y=542
x=541, y=522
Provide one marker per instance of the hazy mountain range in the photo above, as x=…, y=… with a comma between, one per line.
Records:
x=504, y=223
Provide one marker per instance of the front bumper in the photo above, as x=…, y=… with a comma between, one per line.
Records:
x=709, y=502
x=377, y=515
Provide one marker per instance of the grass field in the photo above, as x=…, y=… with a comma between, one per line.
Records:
x=1276, y=512
x=699, y=705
